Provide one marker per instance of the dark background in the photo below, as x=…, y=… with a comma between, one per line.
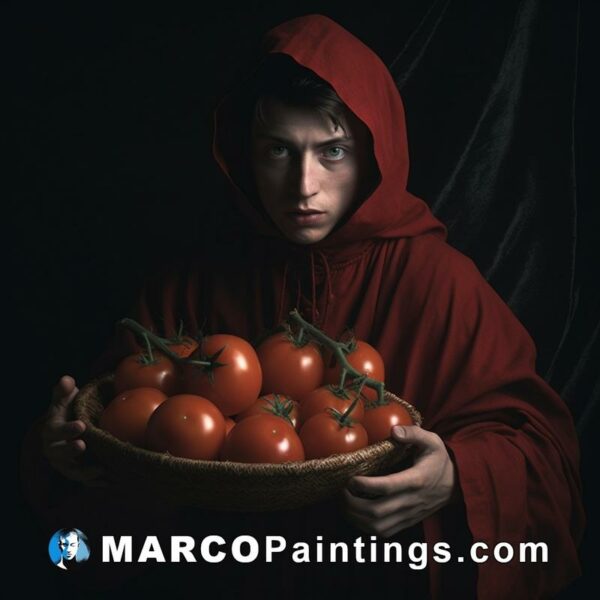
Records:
x=112, y=118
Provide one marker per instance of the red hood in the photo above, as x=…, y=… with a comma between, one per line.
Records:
x=365, y=85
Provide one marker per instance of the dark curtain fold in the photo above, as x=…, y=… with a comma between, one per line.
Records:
x=490, y=97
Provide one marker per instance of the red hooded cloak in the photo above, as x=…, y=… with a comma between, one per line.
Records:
x=451, y=346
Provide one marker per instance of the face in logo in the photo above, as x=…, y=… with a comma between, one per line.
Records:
x=68, y=548
x=68, y=545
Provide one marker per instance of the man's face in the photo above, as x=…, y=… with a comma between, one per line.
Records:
x=68, y=546
x=301, y=162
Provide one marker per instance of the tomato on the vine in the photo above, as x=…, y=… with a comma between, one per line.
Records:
x=379, y=420
x=289, y=366
x=365, y=359
x=188, y=426
x=273, y=404
x=263, y=439
x=233, y=381
x=127, y=414
x=326, y=397
x=323, y=435
x=146, y=370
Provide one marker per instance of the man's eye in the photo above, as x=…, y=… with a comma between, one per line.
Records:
x=336, y=152
x=277, y=151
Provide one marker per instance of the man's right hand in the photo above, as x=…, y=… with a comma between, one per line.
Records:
x=61, y=437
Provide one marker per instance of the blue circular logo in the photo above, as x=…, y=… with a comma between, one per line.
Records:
x=68, y=549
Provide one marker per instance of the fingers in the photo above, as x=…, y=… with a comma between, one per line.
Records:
x=386, y=485
x=61, y=438
x=385, y=518
x=56, y=430
x=65, y=456
x=62, y=395
x=381, y=527
x=64, y=450
x=377, y=508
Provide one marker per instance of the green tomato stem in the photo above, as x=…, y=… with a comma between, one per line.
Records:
x=338, y=349
x=158, y=342
x=149, y=349
x=346, y=416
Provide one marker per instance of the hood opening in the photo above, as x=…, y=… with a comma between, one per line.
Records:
x=317, y=45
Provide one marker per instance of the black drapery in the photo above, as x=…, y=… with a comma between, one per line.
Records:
x=112, y=119
x=490, y=93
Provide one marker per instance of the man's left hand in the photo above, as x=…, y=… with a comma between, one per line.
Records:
x=388, y=504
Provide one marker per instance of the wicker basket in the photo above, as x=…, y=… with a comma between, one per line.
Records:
x=226, y=485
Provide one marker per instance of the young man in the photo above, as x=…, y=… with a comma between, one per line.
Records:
x=314, y=146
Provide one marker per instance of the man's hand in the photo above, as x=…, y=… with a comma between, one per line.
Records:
x=61, y=438
x=386, y=505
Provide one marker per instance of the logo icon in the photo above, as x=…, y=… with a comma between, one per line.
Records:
x=68, y=549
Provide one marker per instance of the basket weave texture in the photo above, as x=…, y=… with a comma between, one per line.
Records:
x=222, y=485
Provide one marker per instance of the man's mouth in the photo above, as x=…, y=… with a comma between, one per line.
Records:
x=309, y=211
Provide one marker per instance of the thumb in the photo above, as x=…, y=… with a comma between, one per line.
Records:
x=412, y=434
x=64, y=391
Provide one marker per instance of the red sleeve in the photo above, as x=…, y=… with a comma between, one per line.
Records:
x=513, y=442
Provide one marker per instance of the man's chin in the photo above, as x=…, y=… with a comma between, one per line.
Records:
x=305, y=236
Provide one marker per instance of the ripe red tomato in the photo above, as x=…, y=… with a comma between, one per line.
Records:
x=263, y=439
x=328, y=396
x=288, y=368
x=365, y=359
x=322, y=436
x=278, y=404
x=127, y=415
x=234, y=383
x=380, y=419
x=138, y=370
x=188, y=426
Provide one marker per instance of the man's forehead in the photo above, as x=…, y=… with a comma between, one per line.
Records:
x=284, y=137
x=277, y=116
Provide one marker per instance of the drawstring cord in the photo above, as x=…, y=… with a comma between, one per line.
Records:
x=328, y=292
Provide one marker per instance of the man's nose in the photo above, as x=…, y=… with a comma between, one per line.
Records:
x=308, y=176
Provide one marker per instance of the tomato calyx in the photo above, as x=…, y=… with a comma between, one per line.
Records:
x=345, y=419
x=300, y=339
x=375, y=403
x=281, y=407
x=338, y=391
x=207, y=362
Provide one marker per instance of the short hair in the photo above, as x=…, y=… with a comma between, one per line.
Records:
x=63, y=533
x=281, y=78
